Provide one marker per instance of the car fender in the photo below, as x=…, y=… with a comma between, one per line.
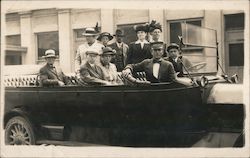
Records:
x=224, y=93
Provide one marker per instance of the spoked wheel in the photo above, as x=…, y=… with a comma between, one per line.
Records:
x=19, y=131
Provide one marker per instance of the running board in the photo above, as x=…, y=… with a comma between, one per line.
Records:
x=54, y=132
x=65, y=143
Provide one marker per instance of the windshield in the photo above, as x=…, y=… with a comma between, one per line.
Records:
x=199, y=50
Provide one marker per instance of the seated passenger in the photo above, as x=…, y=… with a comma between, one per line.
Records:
x=156, y=69
x=90, y=72
x=109, y=69
x=176, y=59
x=49, y=74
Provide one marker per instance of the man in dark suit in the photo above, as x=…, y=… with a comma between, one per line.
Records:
x=140, y=49
x=156, y=69
x=90, y=72
x=49, y=74
x=176, y=59
x=121, y=49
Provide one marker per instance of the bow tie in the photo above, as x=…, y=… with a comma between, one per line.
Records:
x=156, y=60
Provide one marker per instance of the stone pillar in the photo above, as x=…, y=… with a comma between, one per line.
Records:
x=27, y=38
x=66, y=55
x=107, y=20
x=158, y=15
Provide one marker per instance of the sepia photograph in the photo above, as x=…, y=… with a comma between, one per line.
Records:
x=122, y=79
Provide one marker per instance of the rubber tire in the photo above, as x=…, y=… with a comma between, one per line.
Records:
x=26, y=124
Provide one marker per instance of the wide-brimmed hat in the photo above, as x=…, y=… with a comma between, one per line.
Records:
x=153, y=25
x=50, y=53
x=99, y=38
x=90, y=32
x=173, y=45
x=119, y=33
x=141, y=27
x=92, y=51
x=108, y=51
x=157, y=45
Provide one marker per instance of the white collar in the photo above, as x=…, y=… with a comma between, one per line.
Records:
x=138, y=41
x=91, y=44
x=119, y=44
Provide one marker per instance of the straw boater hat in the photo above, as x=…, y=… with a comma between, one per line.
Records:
x=108, y=51
x=50, y=53
x=90, y=32
x=99, y=38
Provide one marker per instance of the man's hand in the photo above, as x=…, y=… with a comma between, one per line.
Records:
x=126, y=72
x=60, y=83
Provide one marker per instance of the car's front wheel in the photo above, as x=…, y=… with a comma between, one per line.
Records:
x=19, y=131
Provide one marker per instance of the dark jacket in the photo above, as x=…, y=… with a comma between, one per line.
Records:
x=92, y=75
x=136, y=54
x=178, y=67
x=49, y=76
x=166, y=70
x=120, y=57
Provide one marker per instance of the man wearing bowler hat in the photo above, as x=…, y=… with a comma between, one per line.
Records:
x=90, y=72
x=176, y=59
x=104, y=38
x=156, y=69
x=91, y=42
x=121, y=49
x=51, y=75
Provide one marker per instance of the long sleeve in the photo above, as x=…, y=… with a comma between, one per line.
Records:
x=86, y=77
x=45, y=79
x=171, y=72
x=129, y=55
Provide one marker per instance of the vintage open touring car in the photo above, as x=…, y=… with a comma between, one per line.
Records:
x=156, y=114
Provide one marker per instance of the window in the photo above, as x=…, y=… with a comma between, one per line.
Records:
x=14, y=40
x=234, y=21
x=236, y=54
x=13, y=58
x=175, y=29
x=130, y=34
x=47, y=40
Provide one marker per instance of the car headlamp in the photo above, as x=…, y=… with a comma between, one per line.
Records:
x=202, y=81
x=234, y=78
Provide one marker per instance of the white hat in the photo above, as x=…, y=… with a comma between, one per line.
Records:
x=90, y=32
x=92, y=50
x=50, y=53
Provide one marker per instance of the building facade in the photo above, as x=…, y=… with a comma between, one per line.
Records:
x=30, y=33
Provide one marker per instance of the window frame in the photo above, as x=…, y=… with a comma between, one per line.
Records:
x=40, y=59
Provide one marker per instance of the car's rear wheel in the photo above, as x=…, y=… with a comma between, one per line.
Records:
x=19, y=131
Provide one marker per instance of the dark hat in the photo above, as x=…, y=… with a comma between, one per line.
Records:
x=92, y=51
x=143, y=27
x=50, y=53
x=90, y=32
x=119, y=33
x=99, y=38
x=107, y=51
x=156, y=45
x=173, y=45
x=153, y=25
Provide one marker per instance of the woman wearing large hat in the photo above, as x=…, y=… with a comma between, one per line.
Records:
x=140, y=49
x=104, y=38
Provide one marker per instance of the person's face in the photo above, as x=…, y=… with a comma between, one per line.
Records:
x=173, y=53
x=106, y=59
x=50, y=60
x=91, y=58
x=90, y=39
x=156, y=34
x=119, y=39
x=141, y=35
x=157, y=53
x=105, y=40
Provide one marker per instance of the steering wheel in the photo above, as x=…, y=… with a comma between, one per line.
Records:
x=197, y=66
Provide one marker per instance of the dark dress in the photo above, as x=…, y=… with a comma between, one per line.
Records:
x=137, y=54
